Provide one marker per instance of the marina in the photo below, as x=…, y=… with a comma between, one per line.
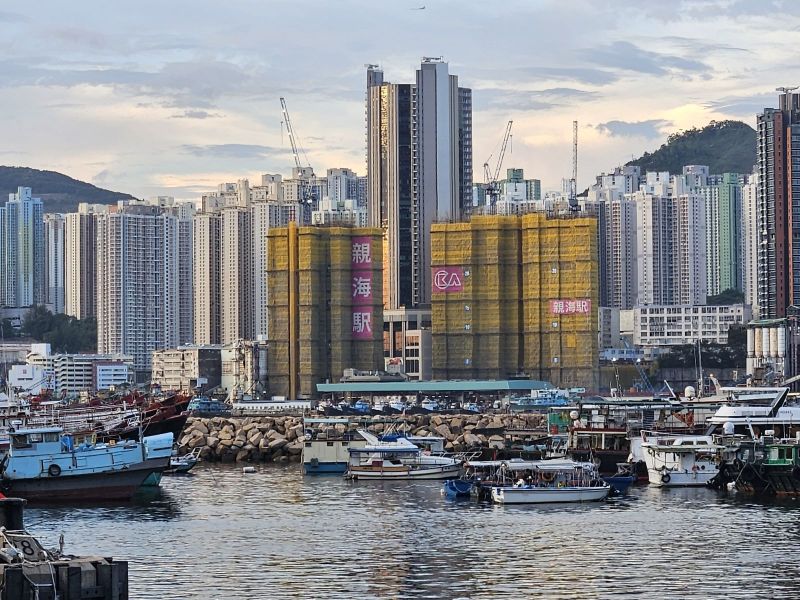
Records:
x=414, y=543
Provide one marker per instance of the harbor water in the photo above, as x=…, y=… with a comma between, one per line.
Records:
x=219, y=533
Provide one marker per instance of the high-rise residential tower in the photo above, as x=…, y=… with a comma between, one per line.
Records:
x=777, y=200
x=22, y=250
x=54, y=273
x=419, y=164
x=80, y=277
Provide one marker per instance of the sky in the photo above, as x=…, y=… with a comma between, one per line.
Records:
x=172, y=97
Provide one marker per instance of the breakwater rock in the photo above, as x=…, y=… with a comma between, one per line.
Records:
x=281, y=439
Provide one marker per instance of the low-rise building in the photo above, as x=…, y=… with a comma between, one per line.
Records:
x=188, y=367
x=673, y=325
x=244, y=369
x=68, y=375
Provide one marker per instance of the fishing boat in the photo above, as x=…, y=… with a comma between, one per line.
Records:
x=202, y=406
x=623, y=479
x=185, y=463
x=43, y=464
x=327, y=450
x=680, y=460
x=458, y=488
x=399, y=459
x=554, y=483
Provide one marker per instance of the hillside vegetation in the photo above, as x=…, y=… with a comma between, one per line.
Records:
x=725, y=146
x=58, y=192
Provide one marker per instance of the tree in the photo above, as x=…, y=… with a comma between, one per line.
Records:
x=63, y=333
x=729, y=296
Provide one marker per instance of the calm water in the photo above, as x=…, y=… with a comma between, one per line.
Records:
x=221, y=534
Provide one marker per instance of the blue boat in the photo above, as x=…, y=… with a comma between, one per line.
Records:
x=622, y=479
x=458, y=488
x=203, y=406
x=43, y=464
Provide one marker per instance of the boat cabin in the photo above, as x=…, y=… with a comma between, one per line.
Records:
x=50, y=439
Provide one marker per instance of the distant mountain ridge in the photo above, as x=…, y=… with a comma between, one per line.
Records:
x=59, y=193
x=725, y=146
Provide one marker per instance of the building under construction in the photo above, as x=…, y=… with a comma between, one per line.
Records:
x=325, y=305
x=516, y=295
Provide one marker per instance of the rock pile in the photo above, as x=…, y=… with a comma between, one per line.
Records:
x=281, y=439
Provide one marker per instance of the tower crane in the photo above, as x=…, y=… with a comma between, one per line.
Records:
x=306, y=194
x=573, y=183
x=492, y=187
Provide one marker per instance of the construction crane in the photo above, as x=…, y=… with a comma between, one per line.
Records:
x=573, y=183
x=306, y=195
x=492, y=187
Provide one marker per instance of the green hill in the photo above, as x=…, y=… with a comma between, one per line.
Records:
x=58, y=192
x=725, y=146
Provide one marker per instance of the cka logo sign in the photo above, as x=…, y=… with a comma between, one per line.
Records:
x=448, y=279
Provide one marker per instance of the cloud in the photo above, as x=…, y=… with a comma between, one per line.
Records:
x=626, y=56
x=244, y=151
x=545, y=99
x=646, y=129
x=80, y=37
x=9, y=17
x=584, y=75
x=744, y=106
x=196, y=114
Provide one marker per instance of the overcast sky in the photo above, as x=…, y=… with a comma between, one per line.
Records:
x=172, y=97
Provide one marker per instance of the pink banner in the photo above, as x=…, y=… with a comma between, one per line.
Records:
x=447, y=279
x=361, y=255
x=362, y=288
x=571, y=306
x=362, y=323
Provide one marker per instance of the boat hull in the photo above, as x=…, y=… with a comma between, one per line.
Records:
x=620, y=483
x=437, y=472
x=524, y=495
x=331, y=468
x=91, y=487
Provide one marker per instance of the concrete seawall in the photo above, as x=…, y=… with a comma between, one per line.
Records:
x=281, y=439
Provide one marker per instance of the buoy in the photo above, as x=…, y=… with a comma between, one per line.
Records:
x=248, y=469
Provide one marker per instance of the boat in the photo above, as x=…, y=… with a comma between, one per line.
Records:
x=399, y=459
x=185, y=463
x=458, y=488
x=623, y=479
x=554, y=483
x=767, y=467
x=680, y=460
x=326, y=451
x=202, y=406
x=44, y=464
x=470, y=407
x=430, y=405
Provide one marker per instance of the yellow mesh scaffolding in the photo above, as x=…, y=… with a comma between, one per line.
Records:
x=501, y=323
x=323, y=311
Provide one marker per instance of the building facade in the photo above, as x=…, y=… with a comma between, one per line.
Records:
x=54, y=242
x=686, y=324
x=516, y=295
x=325, y=305
x=188, y=367
x=80, y=277
x=22, y=250
x=750, y=237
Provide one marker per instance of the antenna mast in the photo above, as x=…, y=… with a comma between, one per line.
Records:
x=573, y=184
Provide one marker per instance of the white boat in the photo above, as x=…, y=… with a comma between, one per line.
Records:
x=554, y=481
x=431, y=405
x=399, y=459
x=680, y=460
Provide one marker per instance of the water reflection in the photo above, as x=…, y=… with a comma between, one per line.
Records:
x=226, y=534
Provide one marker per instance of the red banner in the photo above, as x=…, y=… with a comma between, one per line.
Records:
x=447, y=279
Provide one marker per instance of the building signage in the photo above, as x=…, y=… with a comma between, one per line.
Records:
x=361, y=287
x=571, y=306
x=447, y=279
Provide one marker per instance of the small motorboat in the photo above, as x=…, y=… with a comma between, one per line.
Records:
x=185, y=463
x=554, y=482
x=622, y=479
x=458, y=488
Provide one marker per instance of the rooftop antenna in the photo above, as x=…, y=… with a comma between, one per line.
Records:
x=573, y=184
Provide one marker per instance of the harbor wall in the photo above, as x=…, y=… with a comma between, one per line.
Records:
x=281, y=439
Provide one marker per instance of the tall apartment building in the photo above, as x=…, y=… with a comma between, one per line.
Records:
x=419, y=163
x=138, y=262
x=54, y=273
x=777, y=199
x=22, y=250
x=80, y=278
x=516, y=295
x=750, y=246
x=236, y=275
x=206, y=281
x=722, y=196
x=342, y=185
x=325, y=305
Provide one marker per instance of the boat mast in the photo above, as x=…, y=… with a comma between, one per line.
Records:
x=699, y=369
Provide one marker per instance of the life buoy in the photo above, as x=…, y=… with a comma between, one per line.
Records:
x=54, y=470
x=548, y=477
x=665, y=478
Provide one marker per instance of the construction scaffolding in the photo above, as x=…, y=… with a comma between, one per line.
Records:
x=516, y=295
x=323, y=282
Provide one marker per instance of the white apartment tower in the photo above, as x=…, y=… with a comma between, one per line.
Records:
x=236, y=275
x=54, y=239
x=206, y=267
x=750, y=235
x=22, y=250
x=138, y=252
